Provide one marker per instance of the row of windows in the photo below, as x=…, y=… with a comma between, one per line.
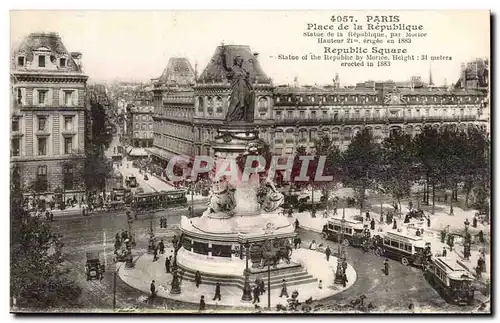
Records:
x=42, y=97
x=42, y=123
x=216, y=104
x=41, y=179
x=42, y=146
x=174, y=129
x=320, y=99
x=398, y=245
x=144, y=117
x=144, y=126
x=42, y=61
x=368, y=113
x=143, y=134
x=177, y=112
x=173, y=144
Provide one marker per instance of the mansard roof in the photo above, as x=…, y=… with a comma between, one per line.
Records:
x=178, y=71
x=214, y=72
x=44, y=42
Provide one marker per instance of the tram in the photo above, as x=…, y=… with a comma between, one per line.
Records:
x=351, y=232
x=450, y=280
x=410, y=250
x=156, y=200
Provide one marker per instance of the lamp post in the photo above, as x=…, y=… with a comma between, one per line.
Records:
x=129, y=262
x=151, y=245
x=339, y=274
x=175, y=285
x=247, y=291
x=467, y=240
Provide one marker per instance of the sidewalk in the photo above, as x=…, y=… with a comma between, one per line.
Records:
x=146, y=270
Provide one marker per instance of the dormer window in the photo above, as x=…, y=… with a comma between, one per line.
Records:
x=41, y=61
x=62, y=62
x=20, y=61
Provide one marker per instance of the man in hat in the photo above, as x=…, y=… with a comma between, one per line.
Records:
x=217, y=292
x=386, y=267
x=328, y=252
x=284, y=291
x=197, y=278
x=202, y=303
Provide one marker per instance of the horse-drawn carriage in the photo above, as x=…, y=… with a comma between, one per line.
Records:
x=414, y=214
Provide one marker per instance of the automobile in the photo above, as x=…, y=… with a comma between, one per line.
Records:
x=93, y=268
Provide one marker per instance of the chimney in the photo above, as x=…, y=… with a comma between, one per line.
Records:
x=77, y=57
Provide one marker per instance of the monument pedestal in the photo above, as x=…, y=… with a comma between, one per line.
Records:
x=233, y=138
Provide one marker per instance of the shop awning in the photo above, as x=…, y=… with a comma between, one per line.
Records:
x=138, y=152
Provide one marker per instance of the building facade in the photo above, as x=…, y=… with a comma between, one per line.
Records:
x=140, y=125
x=187, y=117
x=173, y=100
x=47, y=116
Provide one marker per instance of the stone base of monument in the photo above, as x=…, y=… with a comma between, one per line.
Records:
x=216, y=248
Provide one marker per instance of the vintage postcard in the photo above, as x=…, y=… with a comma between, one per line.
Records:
x=250, y=162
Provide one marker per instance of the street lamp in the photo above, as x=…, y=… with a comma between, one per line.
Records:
x=339, y=274
x=129, y=262
x=175, y=285
x=247, y=291
x=467, y=239
x=151, y=245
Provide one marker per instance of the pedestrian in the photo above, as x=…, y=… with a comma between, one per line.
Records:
x=217, y=292
x=474, y=222
x=117, y=236
x=328, y=252
x=155, y=253
x=202, y=303
x=428, y=221
x=386, y=267
x=313, y=246
x=284, y=290
x=481, y=236
x=124, y=235
x=410, y=205
x=161, y=246
x=372, y=224
x=381, y=218
x=256, y=294
x=197, y=278
x=344, y=280
x=325, y=214
x=47, y=215
x=83, y=211
x=299, y=240
x=394, y=225
x=344, y=266
x=444, y=252
x=367, y=216
x=152, y=288
x=295, y=242
x=51, y=216
x=411, y=307
x=296, y=224
x=320, y=285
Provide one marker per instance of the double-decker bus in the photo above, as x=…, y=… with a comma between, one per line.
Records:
x=156, y=200
x=352, y=232
x=450, y=280
x=410, y=250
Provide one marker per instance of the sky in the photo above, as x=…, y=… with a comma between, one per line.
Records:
x=136, y=45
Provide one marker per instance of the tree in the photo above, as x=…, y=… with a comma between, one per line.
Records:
x=37, y=277
x=476, y=170
x=99, y=135
x=426, y=146
x=451, y=151
x=325, y=146
x=398, y=163
x=361, y=165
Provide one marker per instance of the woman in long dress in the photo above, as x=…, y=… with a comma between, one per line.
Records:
x=241, y=104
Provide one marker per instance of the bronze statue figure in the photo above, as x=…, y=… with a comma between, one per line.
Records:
x=241, y=103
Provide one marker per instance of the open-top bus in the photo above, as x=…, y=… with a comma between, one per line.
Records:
x=156, y=200
x=450, y=280
x=353, y=231
x=410, y=250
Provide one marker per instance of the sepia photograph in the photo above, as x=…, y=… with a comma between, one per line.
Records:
x=246, y=162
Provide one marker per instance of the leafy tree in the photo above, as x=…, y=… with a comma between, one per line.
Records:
x=426, y=146
x=476, y=169
x=325, y=146
x=451, y=151
x=398, y=164
x=38, y=280
x=361, y=165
